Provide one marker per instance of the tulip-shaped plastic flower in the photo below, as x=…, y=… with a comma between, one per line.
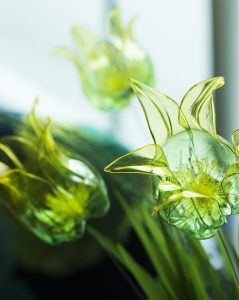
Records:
x=105, y=65
x=53, y=192
x=195, y=172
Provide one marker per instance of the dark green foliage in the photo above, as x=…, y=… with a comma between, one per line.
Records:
x=182, y=267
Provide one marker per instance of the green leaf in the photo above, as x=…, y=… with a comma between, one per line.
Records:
x=152, y=289
x=229, y=264
x=201, y=260
x=150, y=247
x=200, y=290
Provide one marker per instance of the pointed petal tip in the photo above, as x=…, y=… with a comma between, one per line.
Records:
x=35, y=104
x=112, y=168
x=35, y=101
x=221, y=80
x=107, y=169
x=235, y=132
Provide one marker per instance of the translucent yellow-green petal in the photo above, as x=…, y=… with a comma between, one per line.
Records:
x=192, y=215
x=176, y=197
x=85, y=41
x=235, y=142
x=168, y=186
x=117, y=32
x=7, y=151
x=198, y=106
x=67, y=54
x=230, y=185
x=160, y=111
x=146, y=160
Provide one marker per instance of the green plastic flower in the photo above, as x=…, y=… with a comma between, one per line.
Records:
x=53, y=192
x=105, y=65
x=195, y=172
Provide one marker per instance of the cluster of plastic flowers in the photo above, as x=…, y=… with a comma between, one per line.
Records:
x=105, y=65
x=53, y=192
x=195, y=172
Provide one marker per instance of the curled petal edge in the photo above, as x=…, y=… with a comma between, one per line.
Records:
x=198, y=105
x=148, y=160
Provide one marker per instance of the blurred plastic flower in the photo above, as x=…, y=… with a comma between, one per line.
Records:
x=195, y=172
x=105, y=65
x=53, y=192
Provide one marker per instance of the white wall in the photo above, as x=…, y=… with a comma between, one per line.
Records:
x=177, y=34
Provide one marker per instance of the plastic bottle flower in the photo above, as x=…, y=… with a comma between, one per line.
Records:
x=105, y=65
x=195, y=172
x=53, y=192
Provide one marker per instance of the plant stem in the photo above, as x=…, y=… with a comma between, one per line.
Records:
x=229, y=258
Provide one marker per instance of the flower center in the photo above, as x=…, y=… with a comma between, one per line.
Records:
x=202, y=177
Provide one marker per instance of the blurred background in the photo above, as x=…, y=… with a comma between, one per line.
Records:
x=188, y=41
x=176, y=34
